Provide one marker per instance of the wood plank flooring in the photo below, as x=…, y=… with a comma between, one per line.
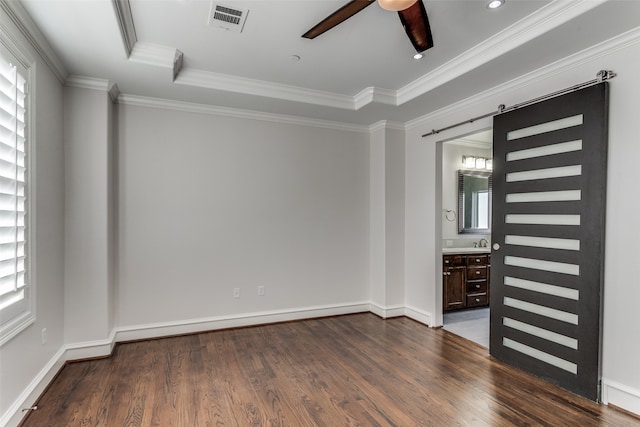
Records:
x=355, y=370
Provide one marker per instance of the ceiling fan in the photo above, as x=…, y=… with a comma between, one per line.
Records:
x=412, y=15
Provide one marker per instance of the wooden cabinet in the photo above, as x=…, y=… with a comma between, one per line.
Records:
x=465, y=280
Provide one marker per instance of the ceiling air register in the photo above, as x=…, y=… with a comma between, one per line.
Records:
x=227, y=17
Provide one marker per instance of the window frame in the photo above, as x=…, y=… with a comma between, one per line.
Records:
x=26, y=316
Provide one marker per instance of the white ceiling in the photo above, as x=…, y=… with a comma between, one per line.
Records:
x=360, y=72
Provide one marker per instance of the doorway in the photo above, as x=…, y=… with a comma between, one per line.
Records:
x=466, y=235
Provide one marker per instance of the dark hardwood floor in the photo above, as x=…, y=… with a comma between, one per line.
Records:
x=355, y=370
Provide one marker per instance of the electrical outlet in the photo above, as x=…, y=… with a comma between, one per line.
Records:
x=236, y=292
x=260, y=291
x=44, y=336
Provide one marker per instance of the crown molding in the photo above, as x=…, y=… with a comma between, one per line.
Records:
x=154, y=54
x=94, y=84
x=16, y=46
x=145, y=53
x=122, y=9
x=114, y=93
x=386, y=124
x=472, y=144
x=189, y=107
x=87, y=83
x=209, y=80
x=600, y=50
x=541, y=21
x=374, y=94
x=21, y=19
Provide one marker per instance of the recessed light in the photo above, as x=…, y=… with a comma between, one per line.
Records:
x=295, y=58
x=418, y=56
x=494, y=4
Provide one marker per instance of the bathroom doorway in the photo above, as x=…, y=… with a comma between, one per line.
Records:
x=466, y=236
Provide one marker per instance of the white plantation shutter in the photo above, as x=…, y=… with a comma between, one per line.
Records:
x=13, y=281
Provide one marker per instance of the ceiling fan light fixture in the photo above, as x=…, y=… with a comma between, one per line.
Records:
x=396, y=5
x=494, y=4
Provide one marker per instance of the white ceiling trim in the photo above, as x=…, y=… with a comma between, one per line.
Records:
x=470, y=143
x=122, y=9
x=386, y=124
x=375, y=94
x=19, y=16
x=599, y=50
x=94, y=84
x=154, y=54
x=189, y=107
x=226, y=82
x=543, y=20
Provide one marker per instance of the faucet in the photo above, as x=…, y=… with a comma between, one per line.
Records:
x=484, y=243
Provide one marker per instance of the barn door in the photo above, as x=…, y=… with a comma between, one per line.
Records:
x=549, y=183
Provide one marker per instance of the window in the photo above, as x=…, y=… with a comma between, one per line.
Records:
x=16, y=309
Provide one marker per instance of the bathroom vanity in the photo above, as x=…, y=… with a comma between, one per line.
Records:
x=466, y=274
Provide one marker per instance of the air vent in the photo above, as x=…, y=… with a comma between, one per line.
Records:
x=229, y=18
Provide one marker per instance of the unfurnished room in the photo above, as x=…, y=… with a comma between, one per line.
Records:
x=319, y=212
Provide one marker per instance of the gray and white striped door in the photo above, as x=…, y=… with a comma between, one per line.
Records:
x=549, y=184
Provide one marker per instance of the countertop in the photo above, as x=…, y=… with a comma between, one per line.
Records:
x=466, y=250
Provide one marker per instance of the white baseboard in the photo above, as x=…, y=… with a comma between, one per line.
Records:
x=620, y=395
x=14, y=414
x=386, y=312
x=90, y=349
x=103, y=348
x=155, y=330
x=418, y=315
x=397, y=311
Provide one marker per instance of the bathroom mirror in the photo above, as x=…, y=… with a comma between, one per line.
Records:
x=474, y=202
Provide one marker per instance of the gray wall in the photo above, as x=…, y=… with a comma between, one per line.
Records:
x=207, y=204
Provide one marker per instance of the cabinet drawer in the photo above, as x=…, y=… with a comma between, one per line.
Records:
x=453, y=261
x=476, y=273
x=477, y=300
x=476, y=286
x=477, y=259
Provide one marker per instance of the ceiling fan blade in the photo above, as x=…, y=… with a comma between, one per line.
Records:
x=416, y=24
x=337, y=17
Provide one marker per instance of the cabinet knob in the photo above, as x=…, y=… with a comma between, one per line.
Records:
x=477, y=299
x=477, y=259
x=478, y=286
x=477, y=272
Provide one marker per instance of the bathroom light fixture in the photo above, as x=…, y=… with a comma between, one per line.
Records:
x=494, y=4
x=395, y=5
x=418, y=56
x=469, y=161
x=473, y=162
